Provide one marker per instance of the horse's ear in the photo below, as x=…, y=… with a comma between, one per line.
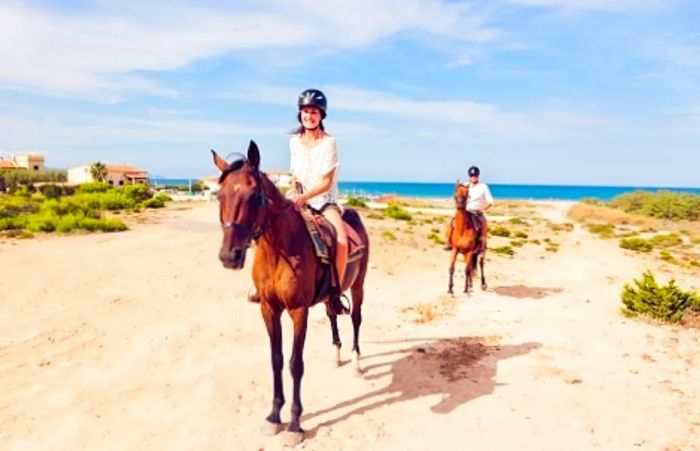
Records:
x=218, y=161
x=253, y=154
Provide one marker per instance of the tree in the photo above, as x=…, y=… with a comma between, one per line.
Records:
x=98, y=171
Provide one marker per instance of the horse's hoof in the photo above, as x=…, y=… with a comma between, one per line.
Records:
x=338, y=362
x=269, y=429
x=484, y=287
x=291, y=439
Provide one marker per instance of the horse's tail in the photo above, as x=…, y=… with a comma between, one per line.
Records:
x=352, y=217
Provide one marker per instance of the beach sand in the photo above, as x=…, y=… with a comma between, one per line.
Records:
x=142, y=340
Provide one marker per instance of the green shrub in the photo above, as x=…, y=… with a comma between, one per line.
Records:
x=94, y=187
x=517, y=243
x=356, y=202
x=13, y=178
x=395, y=211
x=375, y=216
x=138, y=192
x=636, y=244
x=666, y=256
x=437, y=239
x=592, y=201
x=51, y=191
x=389, y=234
x=667, y=302
x=663, y=204
x=552, y=247
x=535, y=241
x=152, y=203
x=503, y=250
x=163, y=197
x=604, y=231
x=499, y=230
x=628, y=234
x=11, y=206
x=516, y=221
x=666, y=240
x=521, y=234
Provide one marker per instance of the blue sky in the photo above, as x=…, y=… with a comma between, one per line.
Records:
x=532, y=91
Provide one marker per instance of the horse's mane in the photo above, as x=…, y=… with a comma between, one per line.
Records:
x=233, y=167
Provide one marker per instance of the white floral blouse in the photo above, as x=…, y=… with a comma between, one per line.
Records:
x=310, y=164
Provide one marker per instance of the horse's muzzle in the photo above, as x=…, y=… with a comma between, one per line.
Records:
x=233, y=259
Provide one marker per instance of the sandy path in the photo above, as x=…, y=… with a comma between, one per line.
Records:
x=141, y=340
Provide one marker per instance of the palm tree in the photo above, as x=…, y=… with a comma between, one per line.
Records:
x=98, y=171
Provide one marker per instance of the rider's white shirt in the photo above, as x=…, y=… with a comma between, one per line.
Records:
x=479, y=195
x=310, y=164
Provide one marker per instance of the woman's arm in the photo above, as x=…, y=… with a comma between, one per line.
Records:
x=325, y=185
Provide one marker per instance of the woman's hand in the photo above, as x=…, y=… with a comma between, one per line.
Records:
x=299, y=202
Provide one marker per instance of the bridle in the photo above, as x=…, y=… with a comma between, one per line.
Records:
x=461, y=201
x=259, y=225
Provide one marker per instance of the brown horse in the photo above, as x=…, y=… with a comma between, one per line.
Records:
x=465, y=240
x=286, y=270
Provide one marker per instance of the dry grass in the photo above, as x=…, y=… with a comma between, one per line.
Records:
x=429, y=312
x=597, y=214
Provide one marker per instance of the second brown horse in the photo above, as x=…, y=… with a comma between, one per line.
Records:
x=465, y=240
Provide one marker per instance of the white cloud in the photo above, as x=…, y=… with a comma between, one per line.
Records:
x=598, y=5
x=482, y=117
x=462, y=61
x=101, y=50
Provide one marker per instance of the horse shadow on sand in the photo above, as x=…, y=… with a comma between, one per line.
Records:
x=458, y=369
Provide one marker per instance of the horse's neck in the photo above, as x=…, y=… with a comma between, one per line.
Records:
x=282, y=235
x=462, y=219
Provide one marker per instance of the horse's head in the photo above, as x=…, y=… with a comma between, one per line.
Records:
x=461, y=195
x=241, y=205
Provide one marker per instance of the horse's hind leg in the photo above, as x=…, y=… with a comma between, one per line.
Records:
x=358, y=293
x=333, y=318
x=481, y=271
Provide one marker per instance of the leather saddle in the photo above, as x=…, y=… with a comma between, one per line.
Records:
x=324, y=238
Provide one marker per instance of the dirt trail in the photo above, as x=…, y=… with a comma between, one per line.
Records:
x=141, y=340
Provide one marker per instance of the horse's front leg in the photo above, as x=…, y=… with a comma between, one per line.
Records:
x=273, y=423
x=300, y=316
x=468, y=272
x=453, y=258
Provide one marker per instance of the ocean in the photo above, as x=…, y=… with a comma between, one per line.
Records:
x=499, y=191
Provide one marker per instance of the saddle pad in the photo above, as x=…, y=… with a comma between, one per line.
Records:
x=323, y=236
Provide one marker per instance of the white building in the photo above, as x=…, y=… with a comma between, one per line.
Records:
x=33, y=162
x=117, y=175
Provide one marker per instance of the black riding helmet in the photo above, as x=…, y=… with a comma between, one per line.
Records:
x=313, y=97
x=474, y=171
